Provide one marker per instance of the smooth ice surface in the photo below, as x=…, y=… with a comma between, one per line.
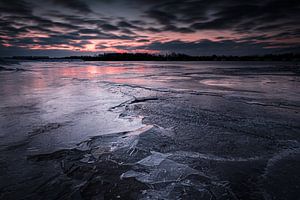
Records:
x=178, y=123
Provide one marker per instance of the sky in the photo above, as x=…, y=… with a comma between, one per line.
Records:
x=196, y=27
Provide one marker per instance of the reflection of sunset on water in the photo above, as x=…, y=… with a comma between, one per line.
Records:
x=93, y=71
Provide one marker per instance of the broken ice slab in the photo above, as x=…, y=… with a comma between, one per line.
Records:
x=161, y=170
x=177, y=191
x=113, y=142
x=88, y=158
x=153, y=160
x=169, y=179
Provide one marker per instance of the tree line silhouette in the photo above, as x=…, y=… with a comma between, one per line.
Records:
x=168, y=57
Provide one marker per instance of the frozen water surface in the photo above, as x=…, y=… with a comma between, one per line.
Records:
x=149, y=130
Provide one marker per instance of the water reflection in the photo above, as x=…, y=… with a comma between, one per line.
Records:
x=91, y=71
x=190, y=75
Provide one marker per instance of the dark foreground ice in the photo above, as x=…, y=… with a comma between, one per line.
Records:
x=149, y=130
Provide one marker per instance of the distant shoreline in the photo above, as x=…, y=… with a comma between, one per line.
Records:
x=167, y=57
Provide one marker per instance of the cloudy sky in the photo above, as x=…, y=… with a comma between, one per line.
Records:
x=195, y=27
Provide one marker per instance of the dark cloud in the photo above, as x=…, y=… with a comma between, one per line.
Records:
x=19, y=51
x=76, y=19
x=109, y=27
x=177, y=29
x=125, y=24
x=227, y=14
x=127, y=31
x=165, y=18
x=16, y=8
x=256, y=26
x=143, y=40
x=73, y=4
x=225, y=47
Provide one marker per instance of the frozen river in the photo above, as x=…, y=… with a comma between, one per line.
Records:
x=149, y=130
